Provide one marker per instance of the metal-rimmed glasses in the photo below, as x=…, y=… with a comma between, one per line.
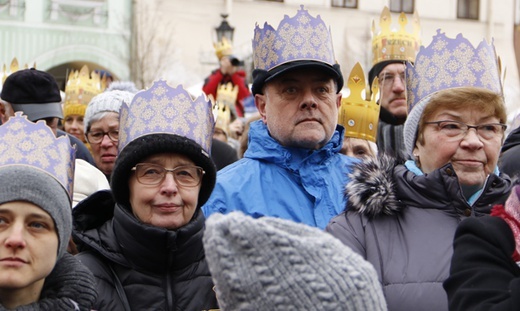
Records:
x=96, y=137
x=388, y=79
x=154, y=174
x=457, y=130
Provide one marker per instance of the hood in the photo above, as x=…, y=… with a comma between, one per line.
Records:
x=263, y=147
x=371, y=190
x=512, y=139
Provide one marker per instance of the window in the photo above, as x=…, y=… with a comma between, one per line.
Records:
x=468, y=9
x=345, y=3
x=399, y=6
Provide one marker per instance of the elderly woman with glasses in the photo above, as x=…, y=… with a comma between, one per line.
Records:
x=143, y=239
x=402, y=217
x=102, y=127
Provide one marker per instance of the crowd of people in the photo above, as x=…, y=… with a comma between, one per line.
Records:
x=391, y=191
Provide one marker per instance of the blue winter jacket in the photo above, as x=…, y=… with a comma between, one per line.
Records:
x=303, y=185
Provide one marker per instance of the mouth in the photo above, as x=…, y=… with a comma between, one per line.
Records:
x=398, y=100
x=167, y=207
x=12, y=261
x=108, y=157
x=470, y=162
x=309, y=120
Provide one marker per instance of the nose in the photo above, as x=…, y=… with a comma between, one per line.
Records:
x=471, y=140
x=106, y=141
x=398, y=85
x=15, y=238
x=168, y=185
x=308, y=100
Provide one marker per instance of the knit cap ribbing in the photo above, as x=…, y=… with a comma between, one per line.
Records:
x=108, y=101
x=276, y=264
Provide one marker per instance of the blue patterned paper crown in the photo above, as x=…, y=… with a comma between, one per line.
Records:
x=301, y=37
x=165, y=110
x=449, y=63
x=35, y=145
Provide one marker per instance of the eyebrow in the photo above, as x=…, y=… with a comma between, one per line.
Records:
x=31, y=215
x=157, y=161
x=459, y=118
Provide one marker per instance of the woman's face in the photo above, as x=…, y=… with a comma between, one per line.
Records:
x=28, y=250
x=356, y=147
x=472, y=156
x=166, y=204
x=105, y=151
x=73, y=124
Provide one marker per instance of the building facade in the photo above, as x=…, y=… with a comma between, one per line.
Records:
x=142, y=40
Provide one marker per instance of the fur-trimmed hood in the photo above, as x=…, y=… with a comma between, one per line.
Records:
x=371, y=189
x=383, y=186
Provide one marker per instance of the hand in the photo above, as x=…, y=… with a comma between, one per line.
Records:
x=236, y=128
x=226, y=67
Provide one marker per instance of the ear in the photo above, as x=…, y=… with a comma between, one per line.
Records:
x=260, y=105
x=338, y=100
x=416, y=154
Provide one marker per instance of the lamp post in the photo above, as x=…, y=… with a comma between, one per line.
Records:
x=224, y=29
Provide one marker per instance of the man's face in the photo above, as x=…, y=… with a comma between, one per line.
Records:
x=300, y=108
x=393, y=90
x=6, y=111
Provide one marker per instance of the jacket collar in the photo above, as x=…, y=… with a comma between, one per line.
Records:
x=263, y=147
x=382, y=186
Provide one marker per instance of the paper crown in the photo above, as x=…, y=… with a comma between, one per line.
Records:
x=35, y=145
x=449, y=63
x=301, y=37
x=162, y=109
x=389, y=44
x=12, y=68
x=358, y=115
x=227, y=94
x=223, y=107
x=223, y=48
x=81, y=87
x=222, y=114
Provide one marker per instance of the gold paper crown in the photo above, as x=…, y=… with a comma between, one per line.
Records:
x=222, y=115
x=358, y=115
x=395, y=45
x=227, y=94
x=12, y=68
x=223, y=48
x=224, y=104
x=82, y=86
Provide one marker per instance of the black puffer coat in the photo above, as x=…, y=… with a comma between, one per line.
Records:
x=158, y=269
x=404, y=225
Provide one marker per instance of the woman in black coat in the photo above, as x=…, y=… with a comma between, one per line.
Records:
x=143, y=240
x=484, y=273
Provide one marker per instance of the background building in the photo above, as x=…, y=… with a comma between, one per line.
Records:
x=142, y=40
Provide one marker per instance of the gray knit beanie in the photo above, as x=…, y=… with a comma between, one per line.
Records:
x=25, y=183
x=277, y=264
x=411, y=126
x=108, y=101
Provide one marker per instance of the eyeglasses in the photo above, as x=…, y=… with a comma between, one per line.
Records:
x=96, y=137
x=153, y=174
x=388, y=79
x=457, y=130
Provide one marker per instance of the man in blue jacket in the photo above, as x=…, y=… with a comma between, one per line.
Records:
x=292, y=168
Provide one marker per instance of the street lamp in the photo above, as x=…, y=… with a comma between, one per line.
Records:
x=224, y=29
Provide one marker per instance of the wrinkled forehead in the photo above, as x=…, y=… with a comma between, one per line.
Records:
x=394, y=68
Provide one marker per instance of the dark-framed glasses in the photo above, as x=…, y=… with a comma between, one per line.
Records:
x=154, y=174
x=96, y=137
x=457, y=130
